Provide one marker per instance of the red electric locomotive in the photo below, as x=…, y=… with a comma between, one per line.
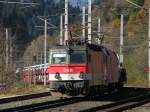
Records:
x=84, y=69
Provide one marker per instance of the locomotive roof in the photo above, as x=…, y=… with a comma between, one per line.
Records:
x=83, y=47
x=80, y=47
x=77, y=47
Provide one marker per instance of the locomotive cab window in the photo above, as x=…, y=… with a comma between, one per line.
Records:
x=58, y=58
x=78, y=57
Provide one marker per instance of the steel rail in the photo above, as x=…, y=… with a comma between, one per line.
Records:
x=24, y=97
x=122, y=104
x=44, y=105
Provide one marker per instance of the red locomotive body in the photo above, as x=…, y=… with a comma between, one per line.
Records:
x=84, y=68
x=66, y=71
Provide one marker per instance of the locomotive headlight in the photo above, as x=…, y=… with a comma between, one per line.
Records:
x=82, y=75
x=57, y=76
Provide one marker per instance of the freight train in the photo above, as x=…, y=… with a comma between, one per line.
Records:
x=84, y=69
x=78, y=68
x=33, y=74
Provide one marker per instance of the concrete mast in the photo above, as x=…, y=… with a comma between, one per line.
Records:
x=83, y=22
x=89, y=21
x=61, y=29
x=99, y=30
x=121, y=39
x=45, y=48
x=66, y=22
x=7, y=47
x=149, y=46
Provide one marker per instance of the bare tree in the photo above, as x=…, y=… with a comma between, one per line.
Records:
x=7, y=73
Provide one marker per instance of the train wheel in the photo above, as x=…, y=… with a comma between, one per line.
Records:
x=86, y=92
x=120, y=85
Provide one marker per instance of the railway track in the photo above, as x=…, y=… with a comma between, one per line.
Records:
x=122, y=100
x=44, y=105
x=24, y=97
x=121, y=105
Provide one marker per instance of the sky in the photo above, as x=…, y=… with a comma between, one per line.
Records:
x=79, y=2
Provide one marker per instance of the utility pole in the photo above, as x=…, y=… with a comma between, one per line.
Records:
x=121, y=39
x=99, y=30
x=45, y=46
x=83, y=22
x=46, y=23
x=66, y=22
x=7, y=57
x=149, y=46
x=11, y=52
x=45, y=43
x=61, y=29
x=89, y=21
x=41, y=58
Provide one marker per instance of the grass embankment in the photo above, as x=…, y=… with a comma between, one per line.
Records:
x=21, y=89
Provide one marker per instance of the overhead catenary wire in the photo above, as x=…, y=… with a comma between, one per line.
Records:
x=77, y=15
x=20, y=3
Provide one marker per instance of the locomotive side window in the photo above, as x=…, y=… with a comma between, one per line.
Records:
x=59, y=58
x=78, y=57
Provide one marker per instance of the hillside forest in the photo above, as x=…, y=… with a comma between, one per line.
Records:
x=25, y=42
